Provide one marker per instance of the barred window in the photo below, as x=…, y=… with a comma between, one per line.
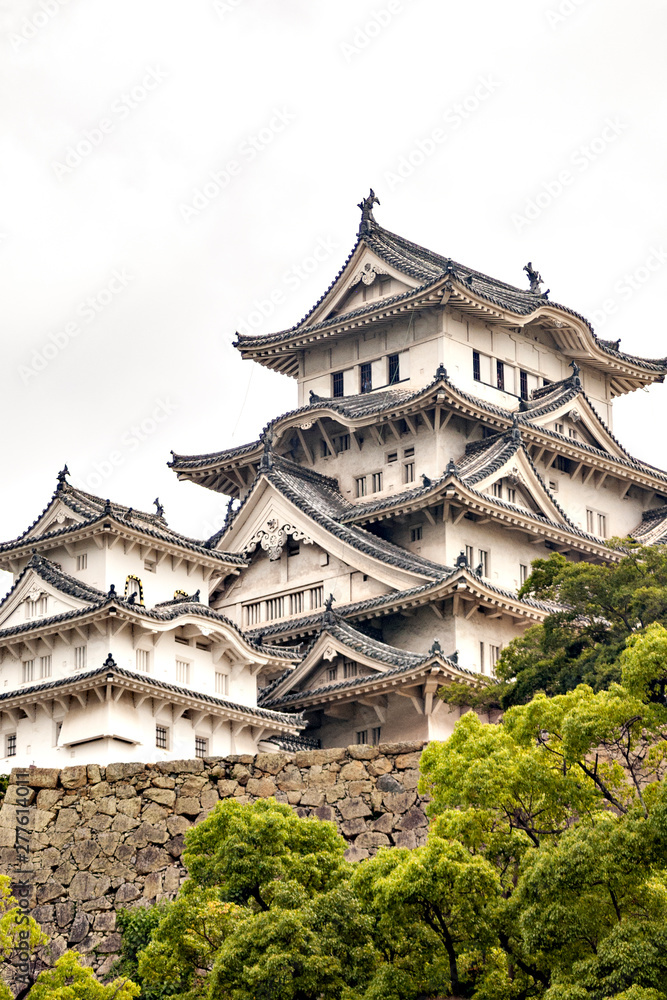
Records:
x=182, y=671
x=143, y=660
x=337, y=384
x=10, y=745
x=45, y=666
x=28, y=671
x=201, y=746
x=366, y=377
x=393, y=369
x=161, y=737
x=221, y=683
x=476, y=372
x=80, y=657
x=362, y=736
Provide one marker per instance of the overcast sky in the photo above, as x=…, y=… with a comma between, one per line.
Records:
x=169, y=169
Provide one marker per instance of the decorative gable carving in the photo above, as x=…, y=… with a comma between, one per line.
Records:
x=273, y=536
x=368, y=273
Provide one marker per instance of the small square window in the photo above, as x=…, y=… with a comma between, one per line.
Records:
x=572, y=433
x=376, y=482
x=498, y=490
x=10, y=745
x=332, y=674
x=409, y=472
x=182, y=672
x=201, y=746
x=80, y=657
x=511, y=494
x=143, y=660
x=82, y=561
x=161, y=737
x=221, y=683
x=349, y=669
x=408, y=452
x=559, y=428
x=392, y=456
x=416, y=534
x=360, y=486
x=362, y=736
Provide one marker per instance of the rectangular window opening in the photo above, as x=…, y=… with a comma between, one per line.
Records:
x=409, y=472
x=362, y=736
x=201, y=746
x=337, y=384
x=476, y=372
x=416, y=533
x=523, y=384
x=393, y=369
x=376, y=482
x=221, y=683
x=10, y=745
x=360, y=486
x=500, y=375
x=142, y=660
x=366, y=377
x=161, y=737
x=182, y=672
x=82, y=561
x=28, y=671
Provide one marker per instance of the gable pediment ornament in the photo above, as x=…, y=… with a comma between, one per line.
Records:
x=368, y=273
x=330, y=653
x=34, y=594
x=574, y=416
x=273, y=536
x=514, y=476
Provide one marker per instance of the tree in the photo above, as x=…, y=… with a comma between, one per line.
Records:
x=566, y=800
x=19, y=933
x=69, y=980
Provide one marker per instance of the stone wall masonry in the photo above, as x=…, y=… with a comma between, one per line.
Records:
x=102, y=838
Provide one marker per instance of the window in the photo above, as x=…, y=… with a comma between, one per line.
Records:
x=393, y=369
x=500, y=375
x=324, y=449
x=476, y=373
x=360, y=486
x=572, y=433
x=559, y=428
x=376, y=482
x=483, y=561
x=80, y=657
x=221, y=683
x=182, y=640
x=150, y=566
x=523, y=573
x=562, y=463
x=392, y=456
x=277, y=607
x=201, y=746
x=375, y=736
x=362, y=736
x=45, y=666
x=349, y=669
x=511, y=494
x=142, y=660
x=182, y=672
x=596, y=523
x=470, y=555
x=342, y=442
x=161, y=737
x=409, y=472
x=337, y=384
x=494, y=655
x=408, y=452
x=332, y=674
x=498, y=490
x=10, y=745
x=366, y=377
x=36, y=607
x=28, y=671
x=481, y=657
x=416, y=534
x=523, y=384
x=293, y=547
x=82, y=561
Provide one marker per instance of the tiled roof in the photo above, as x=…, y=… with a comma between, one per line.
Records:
x=260, y=713
x=428, y=268
x=93, y=509
x=319, y=498
x=96, y=600
x=652, y=529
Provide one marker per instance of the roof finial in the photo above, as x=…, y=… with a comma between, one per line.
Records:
x=516, y=433
x=426, y=481
x=462, y=561
x=112, y=591
x=63, y=473
x=536, y=280
x=267, y=457
x=107, y=506
x=454, y=657
x=435, y=648
x=575, y=376
x=366, y=206
x=451, y=468
x=441, y=371
x=159, y=509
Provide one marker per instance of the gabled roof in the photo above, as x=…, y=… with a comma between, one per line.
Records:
x=338, y=637
x=318, y=498
x=88, y=512
x=112, y=603
x=652, y=529
x=441, y=279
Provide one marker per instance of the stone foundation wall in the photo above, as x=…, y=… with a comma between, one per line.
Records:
x=105, y=838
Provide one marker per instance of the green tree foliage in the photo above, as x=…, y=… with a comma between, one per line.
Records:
x=599, y=608
x=70, y=980
x=565, y=800
x=19, y=933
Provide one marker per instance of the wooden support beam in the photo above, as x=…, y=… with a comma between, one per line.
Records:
x=601, y=480
x=393, y=429
x=429, y=516
x=626, y=489
x=304, y=444
x=589, y=475
x=459, y=516
x=329, y=442
x=411, y=425
x=468, y=614
x=427, y=420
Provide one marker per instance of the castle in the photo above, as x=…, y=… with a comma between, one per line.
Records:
x=451, y=428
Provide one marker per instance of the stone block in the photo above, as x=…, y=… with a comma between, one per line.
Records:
x=263, y=788
x=153, y=813
x=290, y=779
x=124, y=790
x=85, y=852
x=306, y=758
x=354, y=771
x=209, y=798
x=359, y=787
x=387, y=783
x=240, y=773
x=405, y=838
x=65, y=913
x=107, y=806
x=126, y=893
x=271, y=763
x=352, y=827
x=195, y=766
x=163, y=796
x=355, y=853
x=97, y=823
x=226, y=787
x=384, y=823
x=162, y=781
x=110, y=944
x=42, y=777
x=151, y=859
x=125, y=853
x=47, y=798
x=410, y=778
x=363, y=752
x=44, y=914
x=398, y=802
x=412, y=820
x=353, y=808
x=108, y=841
x=194, y=785
x=172, y=880
x=49, y=892
x=399, y=748
x=312, y=797
x=176, y=845
x=119, y=824
x=99, y=790
x=293, y=798
x=104, y=921
x=378, y=766
x=152, y=885
x=26, y=798
x=177, y=824
x=94, y=773
x=187, y=806
x=130, y=807
x=85, y=886
x=118, y=772
x=74, y=777
x=325, y=813
x=79, y=928
x=405, y=760
x=64, y=873
x=372, y=838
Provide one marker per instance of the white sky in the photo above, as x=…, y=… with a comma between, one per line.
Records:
x=550, y=122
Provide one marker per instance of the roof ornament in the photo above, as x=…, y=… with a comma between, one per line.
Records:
x=228, y=513
x=479, y=569
x=196, y=597
x=426, y=481
x=461, y=561
x=536, y=280
x=107, y=506
x=435, y=648
x=313, y=397
x=454, y=657
x=575, y=377
x=112, y=593
x=328, y=615
x=516, y=432
x=62, y=474
x=366, y=206
x=441, y=372
x=159, y=509
x=451, y=468
x=267, y=458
